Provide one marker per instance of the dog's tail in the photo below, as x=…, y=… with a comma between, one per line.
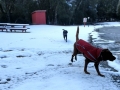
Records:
x=77, y=33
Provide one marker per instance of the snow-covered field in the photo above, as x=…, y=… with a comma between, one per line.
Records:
x=40, y=60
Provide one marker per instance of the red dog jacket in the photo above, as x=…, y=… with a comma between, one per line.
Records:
x=88, y=50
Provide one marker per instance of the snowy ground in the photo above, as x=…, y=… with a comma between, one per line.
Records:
x=39, y=60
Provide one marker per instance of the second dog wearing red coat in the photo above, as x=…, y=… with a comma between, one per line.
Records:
x=91, y=53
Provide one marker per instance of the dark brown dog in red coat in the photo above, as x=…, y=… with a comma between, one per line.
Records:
x=91, y=53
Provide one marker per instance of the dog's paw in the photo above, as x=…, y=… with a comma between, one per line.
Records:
x=101, y=75
x=86, y=72
x=75, y=58
x=71, y=60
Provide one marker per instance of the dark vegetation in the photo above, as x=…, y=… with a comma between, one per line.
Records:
x=60, y=12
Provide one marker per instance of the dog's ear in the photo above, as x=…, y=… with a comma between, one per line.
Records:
x=106, y=50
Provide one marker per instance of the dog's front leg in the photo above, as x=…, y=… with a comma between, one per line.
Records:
x=97, y=69
x=85, y=66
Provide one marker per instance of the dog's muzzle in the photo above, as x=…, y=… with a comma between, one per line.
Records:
x=113, y=58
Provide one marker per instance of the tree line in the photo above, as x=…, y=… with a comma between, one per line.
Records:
x=60, y=12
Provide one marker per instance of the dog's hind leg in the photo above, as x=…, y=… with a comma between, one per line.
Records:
x=74, y=53
x=72, y=58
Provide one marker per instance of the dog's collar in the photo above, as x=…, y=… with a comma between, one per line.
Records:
x=101, y=57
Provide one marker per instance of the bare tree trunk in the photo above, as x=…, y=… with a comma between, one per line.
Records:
x=77, y=6
x=118, y=6
x=8, y=17
x=55, y=22
x=1, y=9
x=8, y=10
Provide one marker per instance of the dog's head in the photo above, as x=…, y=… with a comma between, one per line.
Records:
x=107, y=55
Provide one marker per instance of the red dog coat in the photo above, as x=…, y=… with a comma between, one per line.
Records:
x=88, y=50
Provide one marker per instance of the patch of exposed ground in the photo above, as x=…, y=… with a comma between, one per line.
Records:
x=110, y=33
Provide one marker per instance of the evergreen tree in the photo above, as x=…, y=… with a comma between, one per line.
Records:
x=118, y=9
x=6, y=7
x=63, y=12
x=106, y=9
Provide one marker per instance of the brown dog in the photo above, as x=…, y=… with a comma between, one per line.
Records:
x=91, y=53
